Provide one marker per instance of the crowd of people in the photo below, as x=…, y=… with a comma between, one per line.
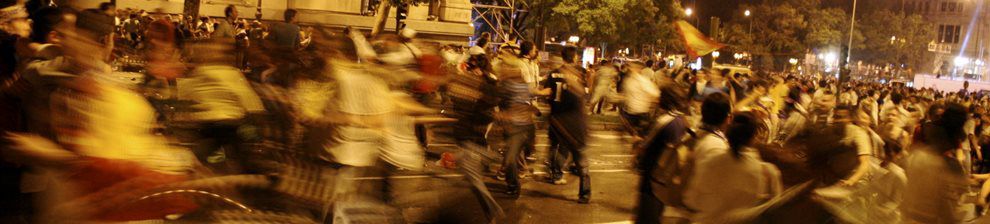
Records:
x=225, y=98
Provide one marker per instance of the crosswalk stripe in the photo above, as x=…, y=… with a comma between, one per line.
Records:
x=461, y=175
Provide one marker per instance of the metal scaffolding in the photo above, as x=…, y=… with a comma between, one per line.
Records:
x=500, y=15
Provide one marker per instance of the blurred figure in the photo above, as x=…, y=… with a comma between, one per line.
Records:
x=104, y=140
x=568, y=128
x=515, y=115
x=936, y=181
x=226, y=28
x=729, y=182
x=641, y=95
x=15, y=27
x=668, y=130
x=285, y=34
x=223, y=105
x=604, y=85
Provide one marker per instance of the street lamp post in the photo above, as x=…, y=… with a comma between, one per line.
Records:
x=852, y=25
x=715, y=55
x=747, y=13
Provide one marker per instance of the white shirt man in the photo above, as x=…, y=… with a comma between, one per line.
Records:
x=640, y=92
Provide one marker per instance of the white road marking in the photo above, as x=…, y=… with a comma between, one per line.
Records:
x=461, y=175
x=619, y=155
x=619, y=222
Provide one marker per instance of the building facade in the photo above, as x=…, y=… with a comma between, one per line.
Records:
x=962, y=35
x=445, y=21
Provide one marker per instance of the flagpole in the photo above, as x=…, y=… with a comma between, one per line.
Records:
x=852, y=25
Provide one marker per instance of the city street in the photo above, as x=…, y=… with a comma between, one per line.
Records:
x=613, y=183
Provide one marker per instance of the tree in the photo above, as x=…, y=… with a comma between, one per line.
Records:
x=623, y=23
x=895, y=39
x=827, y=28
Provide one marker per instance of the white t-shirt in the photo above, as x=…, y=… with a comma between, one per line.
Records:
x=640, y=93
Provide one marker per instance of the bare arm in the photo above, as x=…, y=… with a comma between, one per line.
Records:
x=861, y=170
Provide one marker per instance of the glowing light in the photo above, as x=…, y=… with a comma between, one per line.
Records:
x=716, y=54
x=746, y=13
x=831, y=57
x=573, y=39
x=960, y=61
x=688, y=11
x=793, y=61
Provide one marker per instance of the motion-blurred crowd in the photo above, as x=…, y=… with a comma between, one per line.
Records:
x=230, y=120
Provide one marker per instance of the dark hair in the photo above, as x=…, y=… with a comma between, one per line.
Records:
x=525, y=48
x=45, y=21
x=896, y=98
x=483, y=40
x=649, y=63
x=568, y=54
x=741, y=132
x=230, y=10
x=105, y=6
x=479, y=62
x=673, y=98
x=951, y=122
x=289, y=15
x=715, y=109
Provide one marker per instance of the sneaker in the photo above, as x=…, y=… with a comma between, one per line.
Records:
x=512, y=193
x=584, y=199
x=531, y=158
x=500, y=176
x=559, y=181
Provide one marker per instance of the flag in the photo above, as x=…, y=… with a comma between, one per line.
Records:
x=697, y=44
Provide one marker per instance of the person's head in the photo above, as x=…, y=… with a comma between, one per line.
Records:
x=896, y=98
x=289, y=15
x=741, y=132
x=230, y=12
x=715, y=110
x=89, y=41
x=673, y=98
x=569, y=54
x=649, y=63
x=45, y=21
x=948, y=131
x=842, y=114
x=14, y=18
x=478, y=64
x=108, y=8
x=527, y=50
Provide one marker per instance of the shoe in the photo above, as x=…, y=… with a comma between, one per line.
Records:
x=500, y=176
x=584, y=199
x=559, y=181
x=512, y=193
x=523, y=175
x=531, y=158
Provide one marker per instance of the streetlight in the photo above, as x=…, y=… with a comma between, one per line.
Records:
x=747, y=13
x=793, y=62
x=688, y=11
x=715, y=55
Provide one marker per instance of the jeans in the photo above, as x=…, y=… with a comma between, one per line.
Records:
x=560, y=152
x=650, y=208
x=516, y=137
x=639, y=122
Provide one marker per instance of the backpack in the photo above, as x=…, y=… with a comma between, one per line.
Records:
x=673, y=171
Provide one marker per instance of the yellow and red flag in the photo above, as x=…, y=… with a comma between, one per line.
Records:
x=696, y=43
